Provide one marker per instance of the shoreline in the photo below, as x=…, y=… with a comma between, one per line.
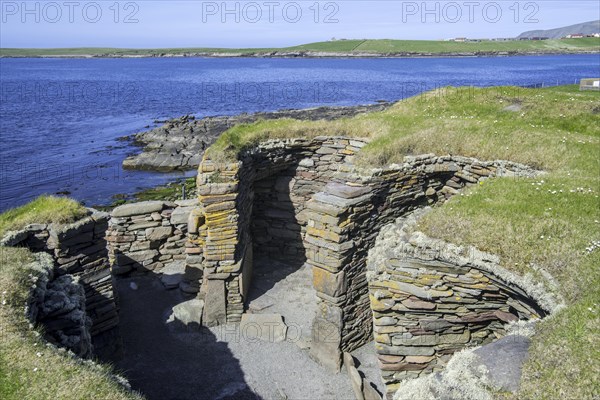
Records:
x=178, y=144
x=315, y=55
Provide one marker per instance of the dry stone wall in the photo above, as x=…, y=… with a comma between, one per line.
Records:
x=430, y=299
x=303, y=200
x=256, y=205
x=150, y=237
x=344, y=222
x=80, y=258
x=282, y=188
x=58, y=304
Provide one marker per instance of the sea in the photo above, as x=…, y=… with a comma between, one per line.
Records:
x=62, y=120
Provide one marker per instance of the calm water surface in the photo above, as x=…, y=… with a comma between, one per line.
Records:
x=60, y=119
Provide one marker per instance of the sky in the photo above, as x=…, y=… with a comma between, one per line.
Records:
x=271, y=23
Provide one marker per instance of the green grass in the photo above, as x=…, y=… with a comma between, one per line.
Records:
x=43, y=210
x=340, y=46
x=564, y=359
x=532, y=224
x=553, y=129
x=436, y=47
x=28, y=368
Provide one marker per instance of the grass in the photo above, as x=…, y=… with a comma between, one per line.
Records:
x=382, y=46
x=42, y=210
x=169, y=192
x=564, y=358
x=549, y=223
x=540, y=226
x=552, y=130
x=28, y=368
x=437, y=47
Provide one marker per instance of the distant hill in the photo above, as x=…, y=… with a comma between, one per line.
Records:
x=586, y=28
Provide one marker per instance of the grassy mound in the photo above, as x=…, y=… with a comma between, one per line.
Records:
x=28, y=368
x=552, y=129
x=43, y=210
x=549, y=226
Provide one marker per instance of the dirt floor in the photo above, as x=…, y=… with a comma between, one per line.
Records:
x=169, y=361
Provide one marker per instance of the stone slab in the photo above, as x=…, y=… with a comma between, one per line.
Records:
x=159, y=233
x=215, y=311
x=331, y=284
x=180, y=215
x=172, y=274
x=144, y=207
x=346, y=191
x=355, y=378
x=504, y=360
x=188, y=313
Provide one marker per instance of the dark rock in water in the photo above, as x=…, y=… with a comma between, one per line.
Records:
x=179, y=143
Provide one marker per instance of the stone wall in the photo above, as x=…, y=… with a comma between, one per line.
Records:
x=80, y=258
x=58, y=304
x=302, y=200
x=150, y=237
x=344, y=222
x=282, y=187
x=431, y=299
x=255, y=207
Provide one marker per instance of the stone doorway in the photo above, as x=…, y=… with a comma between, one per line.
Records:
x=281, y=282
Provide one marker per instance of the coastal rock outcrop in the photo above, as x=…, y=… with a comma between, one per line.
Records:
x=180, y=143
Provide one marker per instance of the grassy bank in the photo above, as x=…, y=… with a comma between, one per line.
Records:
x=43, y=210
x=349, y=47
x=540, y=226
x=28, y=368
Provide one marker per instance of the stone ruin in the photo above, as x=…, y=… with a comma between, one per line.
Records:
x=74, y=299
x=303, y=202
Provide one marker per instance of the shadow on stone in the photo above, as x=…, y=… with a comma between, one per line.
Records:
x=276, y=231
x=165, y=358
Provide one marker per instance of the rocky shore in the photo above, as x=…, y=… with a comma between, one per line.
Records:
x=180, y=143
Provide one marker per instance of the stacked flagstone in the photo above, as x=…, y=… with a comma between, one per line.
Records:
x=283, y=186
x=150, y=236
x=255, y=206
x=218, y=243
x=430, y=299
x=80, y=258
x=302, y=200
x=344, y=221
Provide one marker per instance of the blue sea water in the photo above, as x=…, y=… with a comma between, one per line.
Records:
x=60, y=119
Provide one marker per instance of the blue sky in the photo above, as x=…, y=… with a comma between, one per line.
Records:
x=272, y=23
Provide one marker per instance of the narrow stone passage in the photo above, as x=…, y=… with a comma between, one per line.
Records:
x=285, y=290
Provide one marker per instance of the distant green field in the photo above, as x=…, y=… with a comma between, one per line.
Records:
x=375, y=47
